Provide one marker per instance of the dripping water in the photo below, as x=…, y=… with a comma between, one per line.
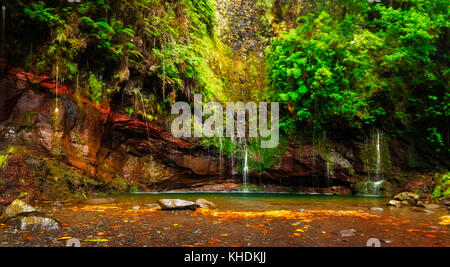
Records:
x=145, y=113
x=3, y=29
x=245, y=170
x=56, y=89
x=220, y=160
x=378, y=148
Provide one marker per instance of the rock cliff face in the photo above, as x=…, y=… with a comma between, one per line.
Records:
x=93, y=139
x=105, y=145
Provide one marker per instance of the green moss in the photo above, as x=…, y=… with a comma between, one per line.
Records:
x=442, y=187
x=3, y=161
x=96, y=88
x=120, y=185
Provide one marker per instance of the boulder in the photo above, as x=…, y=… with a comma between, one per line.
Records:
x=16, y=207
x=407, y=198
x=25, y=217
x=99, y=201
x=395, y=203
x=205, y=204
x=34, y=221
x=177, y=204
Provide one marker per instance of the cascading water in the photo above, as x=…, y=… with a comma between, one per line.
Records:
x=56, y=89
x=233, y=159
x=245, y=171
x=378, y=147
x=328, y=174
x=220, y=159
x=374, y=149
x=3, y=29
x=138, y=91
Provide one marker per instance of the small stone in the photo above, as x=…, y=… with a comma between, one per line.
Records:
x=197, y=232
x=347, y=232
x=387, y=241
x=394, y=203
x=136, y=208
x=376, y=209
x=58, y=204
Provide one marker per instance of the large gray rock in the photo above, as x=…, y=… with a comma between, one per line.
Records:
x=34, y=221
x=26, y=217
x=16, y=207
x=177, y=204
x=407, y=198
x=205, y=204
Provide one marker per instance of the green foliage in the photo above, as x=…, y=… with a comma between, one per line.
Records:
x=129, y=111
x=3, y=161
x=111, y=36
x=96, y=88
x=42, y=14
x=442, y=187
x=390, y=71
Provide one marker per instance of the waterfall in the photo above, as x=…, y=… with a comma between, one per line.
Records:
x=373, y=148
x=245, y=171
x=233, y=159
x=144, y=110
x=373, y=152
x=56, y=89
x=377, y=187
x=220, y=159
x=378, y=148
x=3, y=29
x=328, y=174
